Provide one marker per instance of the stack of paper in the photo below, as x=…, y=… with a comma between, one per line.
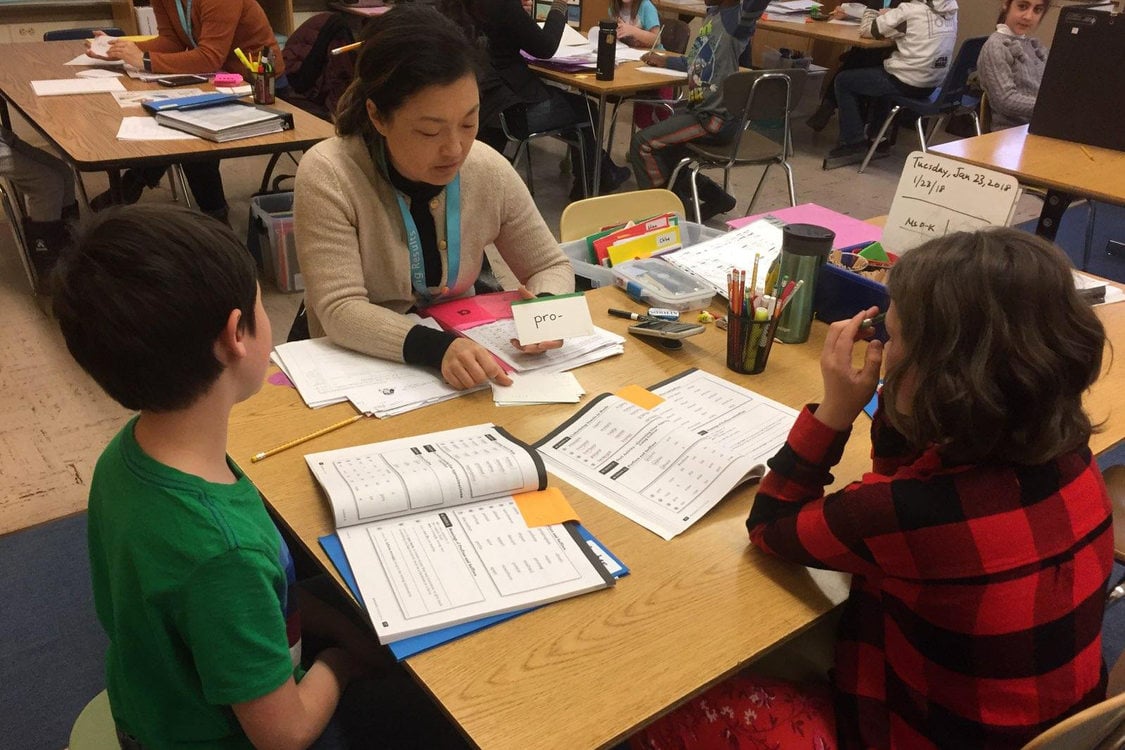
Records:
x=711, y=260
x=784, y=10
x=67, y=86
x=325, y=373
x=497, y=338
x=539, y=388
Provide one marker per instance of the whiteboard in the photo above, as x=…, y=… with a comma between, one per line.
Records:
x=937, y=195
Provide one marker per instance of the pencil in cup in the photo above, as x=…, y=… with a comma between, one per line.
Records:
x=748, y=343
x=305, y=438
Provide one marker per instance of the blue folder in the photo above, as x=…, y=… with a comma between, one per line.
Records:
x=189, y=102
x=417, y=644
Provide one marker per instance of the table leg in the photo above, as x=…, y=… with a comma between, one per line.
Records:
x=599, y=133
x=5, y=116
x=1054, y=206
x=115, y=186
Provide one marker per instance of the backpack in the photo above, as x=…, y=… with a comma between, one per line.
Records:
x=314, y=74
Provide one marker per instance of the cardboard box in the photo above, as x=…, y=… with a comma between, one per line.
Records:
x=271, y=241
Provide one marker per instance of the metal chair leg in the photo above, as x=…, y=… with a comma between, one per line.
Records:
x=695, y=193
x=176, y=174
x=1087, y=245
x=878, y=138
x=758, y=189
x=792, y=187
x=10, y=200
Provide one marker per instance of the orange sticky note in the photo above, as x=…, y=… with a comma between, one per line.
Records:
x=642, y=397
x=544, y=507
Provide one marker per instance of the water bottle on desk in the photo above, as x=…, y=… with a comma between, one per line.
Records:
x=607, y=49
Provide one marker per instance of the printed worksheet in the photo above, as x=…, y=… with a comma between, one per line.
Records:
x=665, y=465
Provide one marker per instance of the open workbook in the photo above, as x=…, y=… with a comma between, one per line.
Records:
x=434, y=529
x=665, y=456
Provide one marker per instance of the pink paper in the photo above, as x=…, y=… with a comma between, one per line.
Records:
x=470, y=312
x=280, y=378
x=849, y=230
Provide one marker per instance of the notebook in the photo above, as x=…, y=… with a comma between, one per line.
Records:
x=1081, y=93
x=227, y=122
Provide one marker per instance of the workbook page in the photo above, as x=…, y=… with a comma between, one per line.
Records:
x=666, y=465
x=443, y=568
x=425, y=472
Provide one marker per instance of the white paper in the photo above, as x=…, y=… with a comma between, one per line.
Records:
x=497, y=338
x=711, y=260
x=98, y=73
x=243, y=90
x=665, y=467
x=147, y=129
x=1113, y=294
x=99, y=45
x=937, y=195
x=663, y=71
x=538, y=388
x=86, y=60
x=571, y=37
x=66, y=86
x=555, y=318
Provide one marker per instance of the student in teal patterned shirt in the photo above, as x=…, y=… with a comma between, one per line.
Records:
x=714, y=55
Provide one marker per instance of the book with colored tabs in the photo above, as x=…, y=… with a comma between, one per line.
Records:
x=450, y=527
x=224, y=122
x=664, y=456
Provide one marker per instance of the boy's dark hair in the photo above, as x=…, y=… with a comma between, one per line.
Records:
x=1000, y=347
x=142, y=297
x=405, y=50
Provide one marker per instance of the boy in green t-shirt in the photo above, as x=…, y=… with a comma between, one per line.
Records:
x=191, y=578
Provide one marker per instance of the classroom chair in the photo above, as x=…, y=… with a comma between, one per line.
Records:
x=567, y=134
x=1099, y=727
x=13, y=211
x=62, y=35
x=1115, y=483
x=764, y=100
x=94, y=728
x=585, y=217
x=952, y=97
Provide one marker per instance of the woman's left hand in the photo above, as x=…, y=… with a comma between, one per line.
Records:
x=119, y=49
x=541, y=346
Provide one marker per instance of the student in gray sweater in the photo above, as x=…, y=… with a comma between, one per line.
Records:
x=1011, y=63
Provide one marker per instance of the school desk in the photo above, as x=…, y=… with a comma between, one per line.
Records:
x=1067, y=170
x=587, y=671
x=83, y=127
x=627, y=81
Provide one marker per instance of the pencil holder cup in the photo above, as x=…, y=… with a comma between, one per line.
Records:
x=804, y=248
x=748, y=344
x=263, y=88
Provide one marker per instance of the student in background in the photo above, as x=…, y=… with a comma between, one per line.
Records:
x=395, y=213
x=504, y=30
x=197, y=37
x=192, y=582
x=1011, y=62
x=714, y=55
x=924, y=33
x=638, y=23
x=981, y=542
x=855, y=57
x=47, y=185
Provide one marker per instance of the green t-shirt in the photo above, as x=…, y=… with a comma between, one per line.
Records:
x=190, y=582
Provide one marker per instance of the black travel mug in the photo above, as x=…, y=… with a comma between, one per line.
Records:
x=607, y=49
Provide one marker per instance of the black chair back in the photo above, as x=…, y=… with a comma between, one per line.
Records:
x=62, y=35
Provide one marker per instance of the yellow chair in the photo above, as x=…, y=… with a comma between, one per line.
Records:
x=94, y=728
x=587, y=216
x=985, y=117
x=1099, y=727
x=1115, y=483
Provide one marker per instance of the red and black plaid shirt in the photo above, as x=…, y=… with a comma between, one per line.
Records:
x=975, y=613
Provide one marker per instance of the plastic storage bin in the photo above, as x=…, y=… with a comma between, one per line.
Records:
x=841, y=293
x=270, y=239
x=660, y=284
x=592, y=276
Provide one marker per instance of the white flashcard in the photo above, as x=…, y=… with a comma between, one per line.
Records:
x=563, y=316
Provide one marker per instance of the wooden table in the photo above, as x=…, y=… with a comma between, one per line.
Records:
x=1066, y=169
x=627, y=81
x=83, y=127
x=836, y=33
x=587, y=671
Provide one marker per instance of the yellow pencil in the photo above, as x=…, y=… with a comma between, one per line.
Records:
x=1087, y=152
x=286, y=446
x=347, y=48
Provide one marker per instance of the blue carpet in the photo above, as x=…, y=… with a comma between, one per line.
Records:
x=52, y=648
x=1109, y=224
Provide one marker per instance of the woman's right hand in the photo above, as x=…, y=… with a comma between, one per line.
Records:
x=467, y=364
x=847, y=389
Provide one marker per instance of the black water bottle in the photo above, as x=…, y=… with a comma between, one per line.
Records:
x=607, y=49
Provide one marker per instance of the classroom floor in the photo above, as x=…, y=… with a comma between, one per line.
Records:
x=54, y=421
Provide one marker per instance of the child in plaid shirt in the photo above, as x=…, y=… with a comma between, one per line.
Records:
x=981, y=542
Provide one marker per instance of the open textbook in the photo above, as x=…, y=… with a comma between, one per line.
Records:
x=666, y=456
x=435, y=537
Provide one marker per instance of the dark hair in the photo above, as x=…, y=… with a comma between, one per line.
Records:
x=1006, y=4
x=142, y=297
x=998, y=344
x=406, y=49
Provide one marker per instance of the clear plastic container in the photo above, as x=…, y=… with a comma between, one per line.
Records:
x=658, y=283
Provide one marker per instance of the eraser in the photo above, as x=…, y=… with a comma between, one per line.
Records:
x=227, y=79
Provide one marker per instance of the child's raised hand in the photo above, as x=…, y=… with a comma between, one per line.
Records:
x=847, y=389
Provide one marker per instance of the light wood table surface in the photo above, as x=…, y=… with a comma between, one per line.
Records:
x=587, y=671
x=627, y=81
x=1067, y=170
x=83, y=127
x=836, y=33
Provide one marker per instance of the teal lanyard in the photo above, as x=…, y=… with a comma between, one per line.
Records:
x=452, y=241
x=185, y=20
